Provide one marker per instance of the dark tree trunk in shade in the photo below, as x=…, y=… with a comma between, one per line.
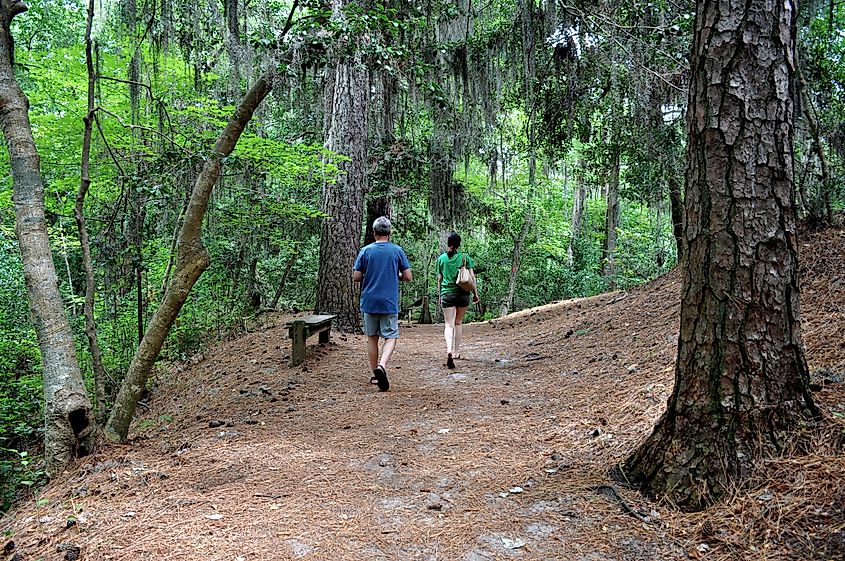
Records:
x=741, y=381
x=376, y=206
x=69, y=426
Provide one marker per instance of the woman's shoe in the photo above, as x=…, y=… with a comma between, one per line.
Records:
x=450, y=363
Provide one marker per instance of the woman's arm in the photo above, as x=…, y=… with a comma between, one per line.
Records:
x=475, y=297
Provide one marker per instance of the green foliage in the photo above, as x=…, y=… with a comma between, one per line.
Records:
x=457, y=84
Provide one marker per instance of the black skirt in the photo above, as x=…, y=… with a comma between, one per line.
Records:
x=456, y=300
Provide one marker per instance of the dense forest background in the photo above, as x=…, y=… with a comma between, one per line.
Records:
x=549, y=134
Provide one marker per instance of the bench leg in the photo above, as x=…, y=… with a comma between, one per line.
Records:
x=297, y=354
x=324, y=336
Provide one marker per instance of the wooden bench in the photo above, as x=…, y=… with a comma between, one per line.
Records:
x=302, y=328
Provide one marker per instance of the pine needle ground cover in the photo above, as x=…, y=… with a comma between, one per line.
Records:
x=236, y=456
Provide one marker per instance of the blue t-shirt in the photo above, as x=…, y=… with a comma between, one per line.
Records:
x=381, y=263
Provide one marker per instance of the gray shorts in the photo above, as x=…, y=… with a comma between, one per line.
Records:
x=383, y=325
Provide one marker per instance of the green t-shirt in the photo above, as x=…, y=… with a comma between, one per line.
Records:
x=448, y=268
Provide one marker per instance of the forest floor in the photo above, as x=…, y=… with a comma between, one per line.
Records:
x=238, y=457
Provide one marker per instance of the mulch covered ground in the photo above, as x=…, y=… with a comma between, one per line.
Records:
x=238, y=457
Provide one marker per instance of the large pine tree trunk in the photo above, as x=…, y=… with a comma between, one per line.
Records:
x=741, y=381
x=69, y=428
x=191, y=261
x=347, y=97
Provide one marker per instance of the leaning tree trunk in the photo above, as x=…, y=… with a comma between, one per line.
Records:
x=69, y=428
x=741, y=381
x=347, y=96
x=192, y=260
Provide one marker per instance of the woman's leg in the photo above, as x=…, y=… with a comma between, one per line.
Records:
x=449, y=331
x=459, y=331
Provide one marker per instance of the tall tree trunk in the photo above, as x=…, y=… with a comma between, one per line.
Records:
x=528, y=61
x=611, y=222
x=579, y=199
x=253, y=288
x=824, y=215
x=191, y=261
x=516, y=261
x=281, y=288
x=376, y=206
x=445, y=197
x=670, y=165
x=87, y=265
x=135, y=233
x=346, y=98
x=676, y=213
x=579, y=203
x=69, y=428
x=233, y=46
x=741, y=380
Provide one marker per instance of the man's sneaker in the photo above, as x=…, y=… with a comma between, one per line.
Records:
x=450, y=362
x=381, y=378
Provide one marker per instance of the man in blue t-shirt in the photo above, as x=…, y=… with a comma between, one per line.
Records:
x=379, y=268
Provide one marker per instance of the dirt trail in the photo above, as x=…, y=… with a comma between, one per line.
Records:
x=498, y=459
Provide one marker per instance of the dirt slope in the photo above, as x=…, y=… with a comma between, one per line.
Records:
x=498, y=459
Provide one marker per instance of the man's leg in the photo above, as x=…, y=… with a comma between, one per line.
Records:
x=371, y=329
x=386, y=351
x=372, y=351
x=390, y=331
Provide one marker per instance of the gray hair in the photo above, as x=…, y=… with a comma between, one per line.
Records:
x=381, y=226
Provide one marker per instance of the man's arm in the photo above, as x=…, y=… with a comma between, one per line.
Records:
x=404, y=266
x=357, y=276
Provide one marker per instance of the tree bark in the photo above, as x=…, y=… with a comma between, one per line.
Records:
x=69, y=428
x=87, y=265
x=347, y=108
x=611, y=222
x=741, y=380
x=191, y=261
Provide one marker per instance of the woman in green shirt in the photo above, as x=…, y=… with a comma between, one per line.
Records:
x=453, y=298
